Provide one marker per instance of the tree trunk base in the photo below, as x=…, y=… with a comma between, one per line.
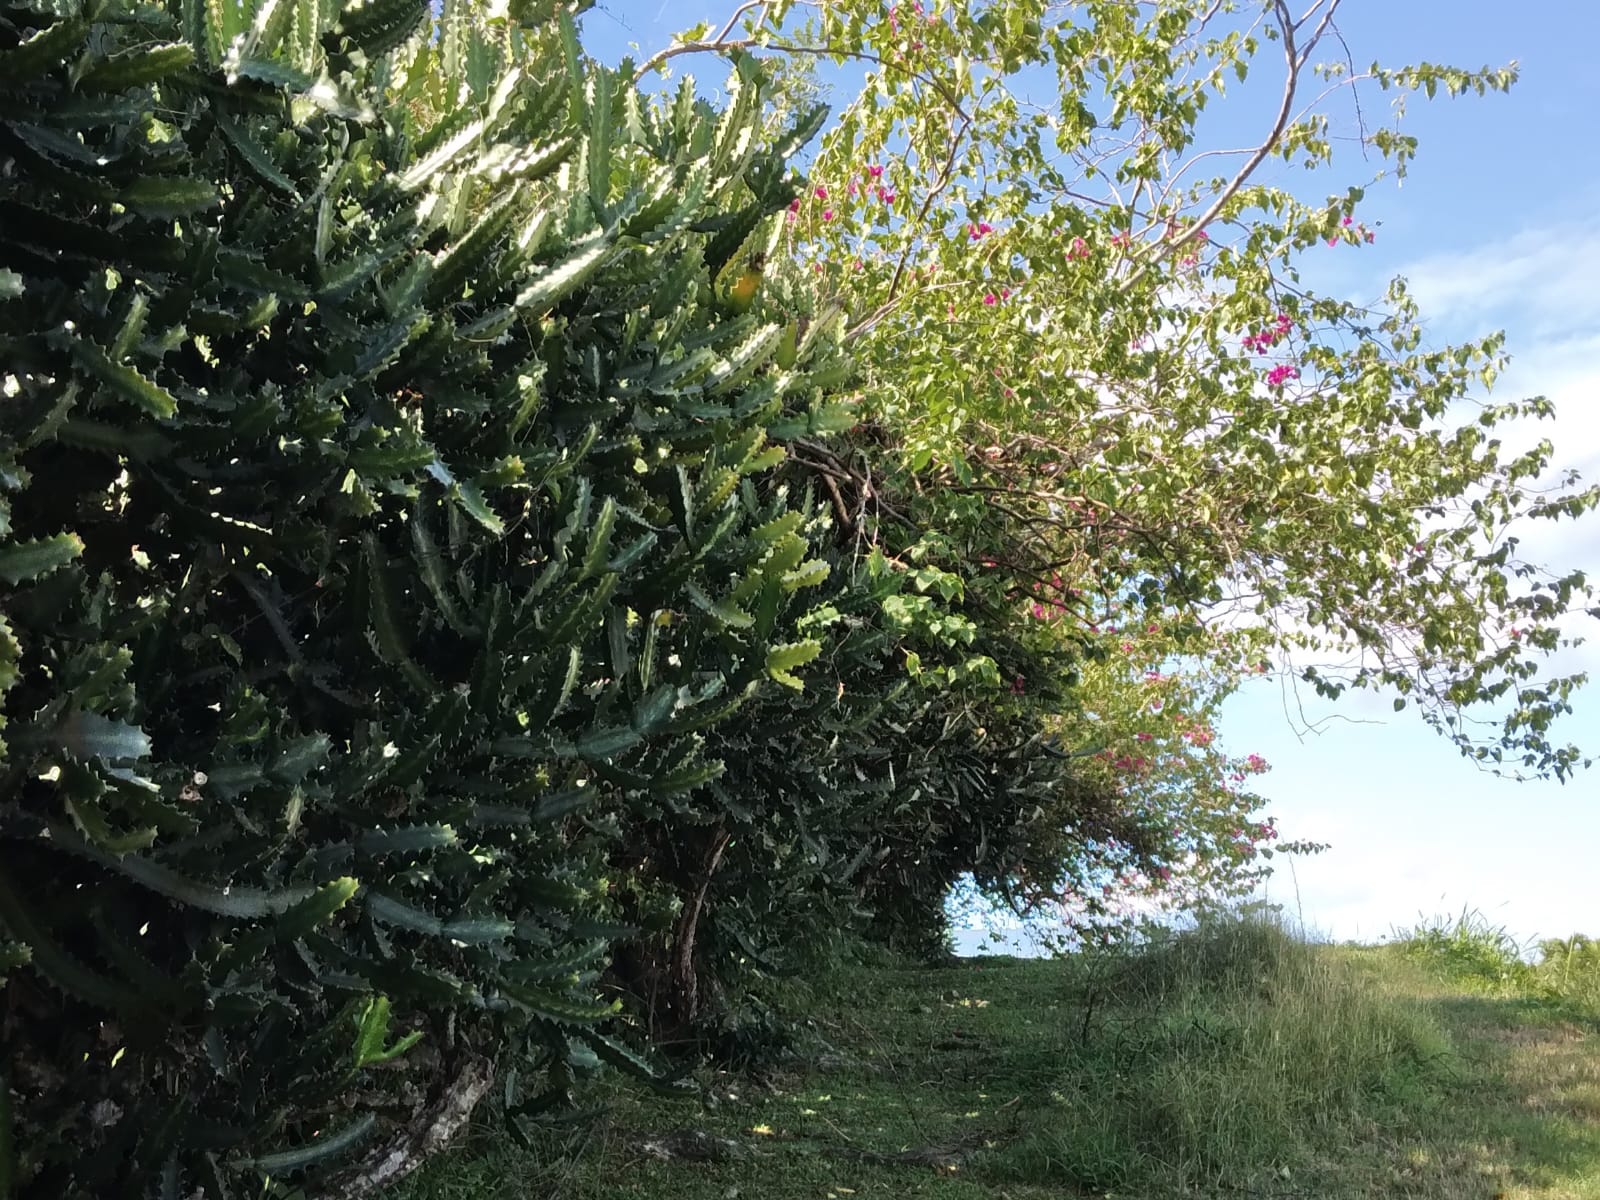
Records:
x=429, y=1132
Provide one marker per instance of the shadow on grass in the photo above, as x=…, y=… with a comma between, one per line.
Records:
x=1536, y=1088
x=1039, y=1080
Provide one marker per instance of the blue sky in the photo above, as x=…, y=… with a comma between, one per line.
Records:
x=1497, y=226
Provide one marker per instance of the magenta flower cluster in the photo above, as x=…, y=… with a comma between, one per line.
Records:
x=1260, y=343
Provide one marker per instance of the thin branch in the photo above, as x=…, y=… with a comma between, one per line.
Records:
x=1294, y=59
x=720, y=42
x=721, y=45
x=946, y=175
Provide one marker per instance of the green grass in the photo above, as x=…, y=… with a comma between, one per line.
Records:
x=1233, y=1060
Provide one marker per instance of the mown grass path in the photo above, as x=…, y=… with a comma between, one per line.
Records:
x=1236, y=1062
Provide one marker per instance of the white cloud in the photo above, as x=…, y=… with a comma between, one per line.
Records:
x=1540, y=285
x=1544, y=279
x=1414, y=829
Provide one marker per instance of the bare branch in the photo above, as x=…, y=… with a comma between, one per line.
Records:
x=1295, y=57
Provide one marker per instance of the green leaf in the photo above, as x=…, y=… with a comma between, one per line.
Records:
x=243, y=902
x=391, y=642
x=378, y=26
x=256, y=157
x=724, y=611
x=285, y=1162
x=544, y=289
x=685, y=779
x=41, y=52
x=299, y=758
x=781, y=661
x=560, y=805
x=599, y=87
x=808, y=574
x=23, y=562
x=372, y=1033
x=87, y=735
x=557, y=1008
x=124, y=380
x=316, y=909
x=90, y=819
x=608, y=743
x=467, y=930
x=410, y=839
x=442, y=157
x=167, y=196
x=134, y=68
x=599, y=545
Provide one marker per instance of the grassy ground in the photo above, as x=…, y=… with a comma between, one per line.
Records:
x=1231, y=1062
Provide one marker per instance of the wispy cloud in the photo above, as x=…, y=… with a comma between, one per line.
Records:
x=1542, y=286
x=1541, y=281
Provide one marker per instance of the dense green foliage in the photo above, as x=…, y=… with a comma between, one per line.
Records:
x=1107, y=410
x=383, y=497
x=475, y=589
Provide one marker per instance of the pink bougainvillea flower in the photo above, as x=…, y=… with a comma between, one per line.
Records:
x=991, y=299
x=827, y=214
x=1144, y=737
x=821, y=193
x=979, y=230
x=875, y=171
x=1347, y=222
x=1079, y=248
x=1281, y=374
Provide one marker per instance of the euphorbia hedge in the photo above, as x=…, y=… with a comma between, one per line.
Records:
x=387, y=521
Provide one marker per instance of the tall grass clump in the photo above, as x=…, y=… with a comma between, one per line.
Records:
x=1231, y=1053
x=1467, y=948
x=1569, y=969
